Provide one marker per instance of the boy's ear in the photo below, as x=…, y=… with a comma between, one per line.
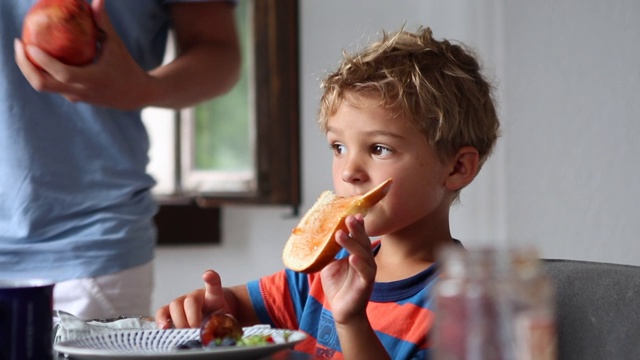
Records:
x=464, y=168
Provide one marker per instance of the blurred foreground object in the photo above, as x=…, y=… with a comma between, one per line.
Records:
x=494, y=304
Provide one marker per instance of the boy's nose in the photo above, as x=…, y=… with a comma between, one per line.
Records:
x=353, y=172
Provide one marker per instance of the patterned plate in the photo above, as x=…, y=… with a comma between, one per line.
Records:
x=161, y=344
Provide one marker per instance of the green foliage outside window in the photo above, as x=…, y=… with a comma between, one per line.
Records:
x=223, y=125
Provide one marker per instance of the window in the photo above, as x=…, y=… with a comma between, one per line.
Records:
x=239, y=148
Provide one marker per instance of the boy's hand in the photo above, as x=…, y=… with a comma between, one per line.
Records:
x=189, y=310
x=348, y=282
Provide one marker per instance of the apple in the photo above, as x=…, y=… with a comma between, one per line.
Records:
x=64, y=29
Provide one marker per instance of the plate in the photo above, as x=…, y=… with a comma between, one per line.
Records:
x=161, y=345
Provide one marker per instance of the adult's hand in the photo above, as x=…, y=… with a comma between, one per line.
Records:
x=207, y=63
x=115, y=80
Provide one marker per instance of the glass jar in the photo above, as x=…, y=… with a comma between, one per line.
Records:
x=493, y=304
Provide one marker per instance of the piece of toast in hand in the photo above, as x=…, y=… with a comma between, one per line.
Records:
x=312, y=244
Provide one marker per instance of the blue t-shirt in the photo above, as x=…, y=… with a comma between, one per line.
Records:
x=75, y=197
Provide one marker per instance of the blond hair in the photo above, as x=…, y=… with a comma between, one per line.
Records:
x=435, y=84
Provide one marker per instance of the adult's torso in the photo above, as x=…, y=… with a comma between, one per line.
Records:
x=74, y=194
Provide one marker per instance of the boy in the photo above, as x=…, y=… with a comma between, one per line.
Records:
x=409, y=108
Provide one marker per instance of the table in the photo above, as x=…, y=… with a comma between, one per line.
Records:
x=289, y=355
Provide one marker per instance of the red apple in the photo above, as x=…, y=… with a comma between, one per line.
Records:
x=64, y=29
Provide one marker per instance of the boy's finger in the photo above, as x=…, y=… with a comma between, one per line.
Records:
x=355, y=225
x=214, y=294
x=178, y=316
x=163, y=318
x=193, y=308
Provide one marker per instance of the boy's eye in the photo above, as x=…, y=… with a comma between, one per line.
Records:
x=338, y=149
x=380, y=150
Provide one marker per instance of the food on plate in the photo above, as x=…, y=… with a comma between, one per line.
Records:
x=257, y=340
x=312, y=244
x=64, y=29
x=252, y=340
x=190, y=344
x=224, y=330
x=221, y=329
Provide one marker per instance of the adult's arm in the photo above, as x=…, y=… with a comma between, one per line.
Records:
x=208, y=57
x=207, y=64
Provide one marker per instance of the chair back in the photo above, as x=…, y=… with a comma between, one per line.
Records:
x=598, y=309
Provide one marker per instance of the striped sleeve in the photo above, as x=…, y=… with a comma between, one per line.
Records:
x=279, y=298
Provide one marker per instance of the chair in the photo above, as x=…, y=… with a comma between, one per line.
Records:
x=598, y=309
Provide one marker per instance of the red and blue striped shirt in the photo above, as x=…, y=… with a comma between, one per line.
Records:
x=400, y=312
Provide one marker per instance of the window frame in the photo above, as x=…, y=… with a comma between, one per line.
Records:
x=276, y=84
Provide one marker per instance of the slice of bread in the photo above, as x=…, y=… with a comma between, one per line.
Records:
x=312, y=244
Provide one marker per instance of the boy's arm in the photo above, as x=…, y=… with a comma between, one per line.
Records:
x=347, y=284
x=242, y=308
x=358, y=341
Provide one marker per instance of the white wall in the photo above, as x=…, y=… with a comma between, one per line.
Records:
x=564, y=174
x=572, y=96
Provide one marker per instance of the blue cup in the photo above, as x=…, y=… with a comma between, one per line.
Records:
x=26, y=320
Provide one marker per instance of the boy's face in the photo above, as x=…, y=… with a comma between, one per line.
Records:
x=371, y=146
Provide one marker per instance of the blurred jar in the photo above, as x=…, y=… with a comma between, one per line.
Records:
x=493, y=304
